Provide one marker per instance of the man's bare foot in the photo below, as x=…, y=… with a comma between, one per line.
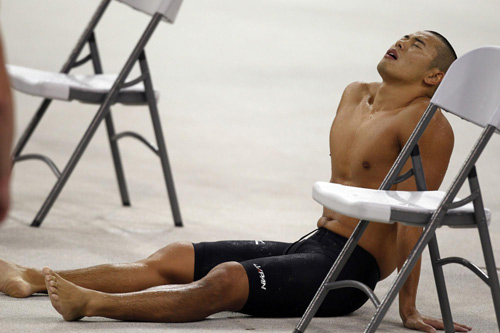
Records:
x=12, y=281
x=67, y=298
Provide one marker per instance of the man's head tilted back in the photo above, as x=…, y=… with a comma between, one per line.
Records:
x=419, y=59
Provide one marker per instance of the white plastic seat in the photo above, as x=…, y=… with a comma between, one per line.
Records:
x=408, y=207
x=88, y=88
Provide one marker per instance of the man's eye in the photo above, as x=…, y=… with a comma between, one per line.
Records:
x=417, y=46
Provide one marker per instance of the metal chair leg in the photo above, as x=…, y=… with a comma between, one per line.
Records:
x=484, y=236
x=444, y=302
x=115, y=152
x=490, y=267
x=70, y=166
x=160, y=141
x=30, y=128
x=167, y=173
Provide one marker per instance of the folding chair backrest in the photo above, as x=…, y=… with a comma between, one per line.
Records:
x=167, y=8
x=460, y=93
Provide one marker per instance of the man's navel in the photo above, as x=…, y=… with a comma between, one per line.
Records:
x=366, y=165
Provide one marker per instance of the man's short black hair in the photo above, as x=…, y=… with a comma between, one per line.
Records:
x=446, y=54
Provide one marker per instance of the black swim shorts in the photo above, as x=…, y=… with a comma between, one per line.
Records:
x=284, y=277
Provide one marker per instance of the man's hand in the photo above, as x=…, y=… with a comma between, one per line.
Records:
x=422, y=323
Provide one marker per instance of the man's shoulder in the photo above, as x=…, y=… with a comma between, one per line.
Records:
x=360, y=89
x=417, y=107
x=415, y=110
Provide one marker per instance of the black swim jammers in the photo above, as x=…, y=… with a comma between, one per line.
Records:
x=284, y=277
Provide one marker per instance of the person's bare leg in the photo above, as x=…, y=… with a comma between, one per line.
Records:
x=225, y=288
x=172, y=264
x=13, y=280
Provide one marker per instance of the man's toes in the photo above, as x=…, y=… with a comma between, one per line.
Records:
x=54, y=297
x=50, y=277
x=46, y=270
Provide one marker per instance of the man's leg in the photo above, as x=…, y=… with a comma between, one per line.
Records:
x=224, y=288
x=173, y=264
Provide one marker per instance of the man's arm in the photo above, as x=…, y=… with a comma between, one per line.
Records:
x=436, y=146
x=6, y=134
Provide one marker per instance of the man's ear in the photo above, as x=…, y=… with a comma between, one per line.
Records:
x=434, y=77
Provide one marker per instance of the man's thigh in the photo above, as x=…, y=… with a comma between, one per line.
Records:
x=283, y=286
x=210, y=254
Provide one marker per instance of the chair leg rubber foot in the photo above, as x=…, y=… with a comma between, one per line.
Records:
x=36, y=223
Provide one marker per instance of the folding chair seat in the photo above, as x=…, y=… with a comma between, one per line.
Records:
x=104, y=90
x=413, y=208
x=68, y=87
x=471, y=91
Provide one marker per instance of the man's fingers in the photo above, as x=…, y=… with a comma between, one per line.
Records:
x=422, y=326
x=431, y=325
x=436, y=323
x=429, y=329
x=462, y=328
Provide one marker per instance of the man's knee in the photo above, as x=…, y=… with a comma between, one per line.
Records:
x=174, y=262
x=227, y=284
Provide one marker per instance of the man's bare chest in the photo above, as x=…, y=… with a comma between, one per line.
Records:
x=361, y=141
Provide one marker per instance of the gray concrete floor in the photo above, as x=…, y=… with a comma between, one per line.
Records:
x=248, y=93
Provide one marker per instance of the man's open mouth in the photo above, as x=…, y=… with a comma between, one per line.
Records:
x=392, y=54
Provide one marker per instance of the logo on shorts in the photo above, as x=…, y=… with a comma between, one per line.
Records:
x=262, y=277
x=257, y=242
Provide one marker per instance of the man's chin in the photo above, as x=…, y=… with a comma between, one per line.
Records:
x=382, y=68
x=387, y=71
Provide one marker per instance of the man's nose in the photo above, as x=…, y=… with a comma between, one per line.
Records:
x=400, y=44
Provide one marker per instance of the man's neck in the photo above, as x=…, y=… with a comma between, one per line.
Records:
x=393, y=96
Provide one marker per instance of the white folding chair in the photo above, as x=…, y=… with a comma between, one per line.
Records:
x=470, y=90
x=102, y=89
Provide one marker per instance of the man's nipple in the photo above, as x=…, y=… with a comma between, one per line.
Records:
x=366, y=165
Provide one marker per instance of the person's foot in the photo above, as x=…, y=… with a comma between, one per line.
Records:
x=67, y=298
x=12, y=281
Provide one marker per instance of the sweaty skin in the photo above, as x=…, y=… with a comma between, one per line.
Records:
x=364, y=143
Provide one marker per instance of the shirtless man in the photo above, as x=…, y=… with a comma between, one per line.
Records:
x=273, y=279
